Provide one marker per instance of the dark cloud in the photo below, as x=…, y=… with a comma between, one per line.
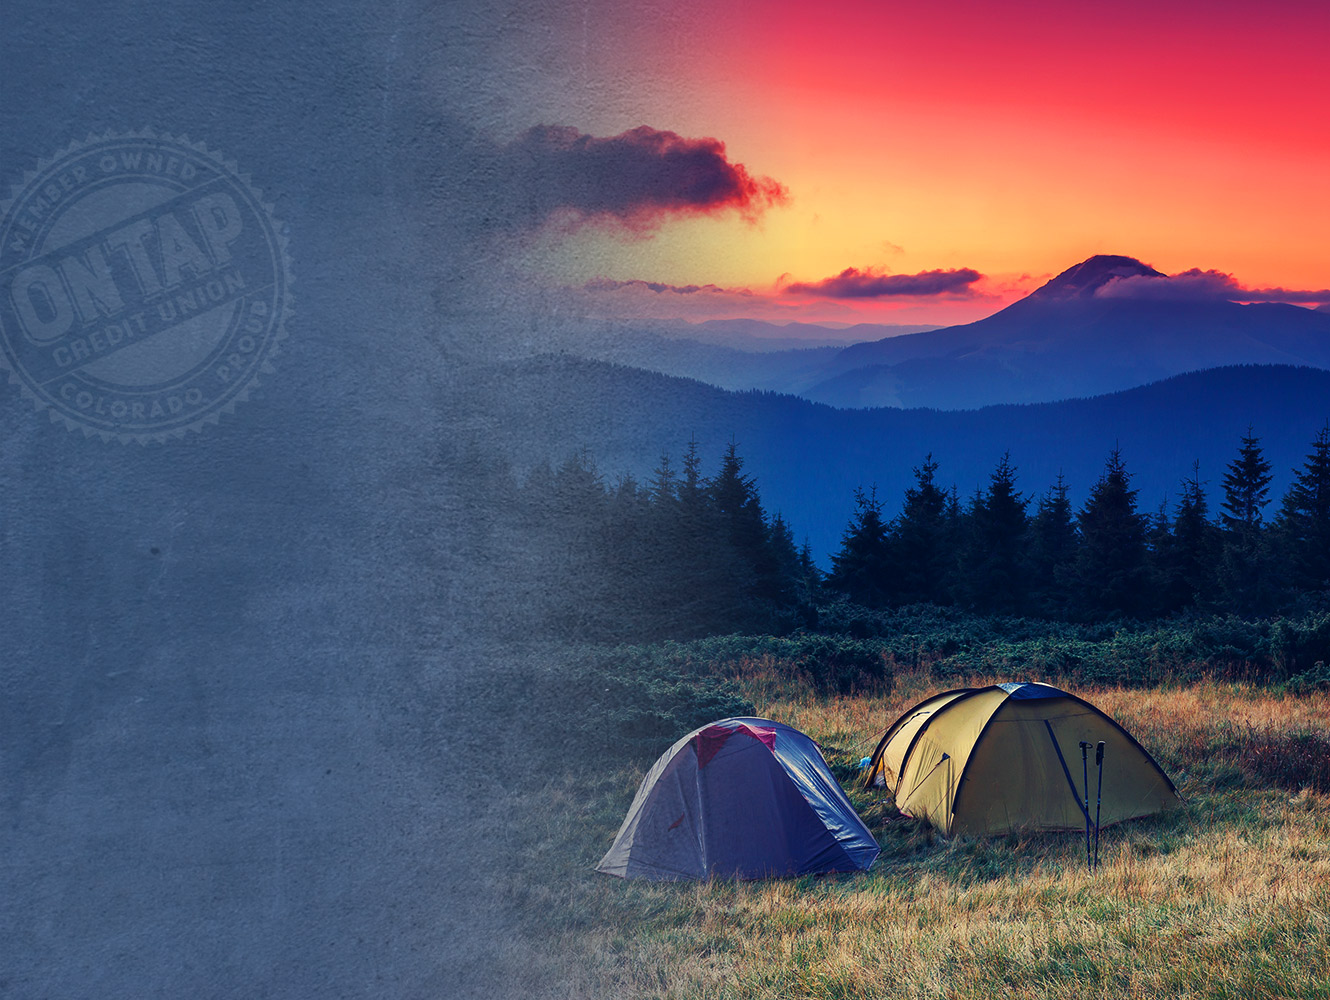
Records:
x=1189, y=285
x=853, y=283
x=1196, y=285
x=636, y=284
x=1301, y=296
x=636, y=179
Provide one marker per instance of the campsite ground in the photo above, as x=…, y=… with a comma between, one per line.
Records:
x=1227, y=897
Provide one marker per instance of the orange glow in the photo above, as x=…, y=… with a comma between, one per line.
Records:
x=1016, y=140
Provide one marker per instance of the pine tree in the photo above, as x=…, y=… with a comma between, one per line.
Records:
x=578, y=496
x=707, y=577
x=922, y=540
x=992, y=569
x=1111, y=573
x=664, y=486
x=632, y=566
x=780, y=539
x=859, y=569
x=734, y=497
x=1245, y=564
x=629, y=493
x=1190, y=566
x=1246, y=486
x=1304, y=526
x=1158, y=552
x=811, y=578
x=692, y=493
x=578, y=549
x=1051, y=550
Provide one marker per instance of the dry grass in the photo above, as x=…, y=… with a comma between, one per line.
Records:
x=1228, y=897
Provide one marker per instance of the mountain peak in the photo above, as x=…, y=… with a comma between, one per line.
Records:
x=1087, y=277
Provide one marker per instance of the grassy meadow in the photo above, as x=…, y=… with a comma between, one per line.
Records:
x=1227, y=897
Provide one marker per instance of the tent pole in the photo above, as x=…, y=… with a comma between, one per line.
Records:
x=1098, y=798
x=1085, y=783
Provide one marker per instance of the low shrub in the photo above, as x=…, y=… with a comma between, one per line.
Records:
x=949, y=642
x=1297, y=646
x=630, y=702
x=842, y=667
x=1315, y=679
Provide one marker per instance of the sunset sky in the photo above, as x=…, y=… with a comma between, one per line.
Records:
x=1011, y=141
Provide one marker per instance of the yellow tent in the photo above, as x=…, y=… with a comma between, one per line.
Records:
x=1008, y=757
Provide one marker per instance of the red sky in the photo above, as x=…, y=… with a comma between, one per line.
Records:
x=1013, y=139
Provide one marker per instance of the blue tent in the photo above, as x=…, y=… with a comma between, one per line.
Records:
x=740, y=798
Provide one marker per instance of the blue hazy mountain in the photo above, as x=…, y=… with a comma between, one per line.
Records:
x=1065, y=340
x=760, y=335
x=731, y=354
x=809, y=458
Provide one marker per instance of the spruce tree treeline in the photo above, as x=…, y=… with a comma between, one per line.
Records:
x=1106, y=560
x=688, y=554
x=683, y=555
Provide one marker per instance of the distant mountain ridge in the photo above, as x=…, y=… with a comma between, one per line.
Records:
x=751, y=334
x=1065, y=340
x=809, y=458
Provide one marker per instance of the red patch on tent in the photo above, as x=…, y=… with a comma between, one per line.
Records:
x=677, y=821
x=708, y=742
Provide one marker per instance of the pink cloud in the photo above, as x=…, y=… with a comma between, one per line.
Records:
x=853, y=283
x=660, y=287
x=638, y=178
x=1198, y=285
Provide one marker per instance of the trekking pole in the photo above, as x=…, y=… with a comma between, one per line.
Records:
x=1085, y=783
x=1098, y=798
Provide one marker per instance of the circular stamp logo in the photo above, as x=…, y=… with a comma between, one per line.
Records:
x=144, y=286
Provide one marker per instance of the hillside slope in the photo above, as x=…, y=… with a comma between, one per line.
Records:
x=1073, y=337
x=808, y=458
